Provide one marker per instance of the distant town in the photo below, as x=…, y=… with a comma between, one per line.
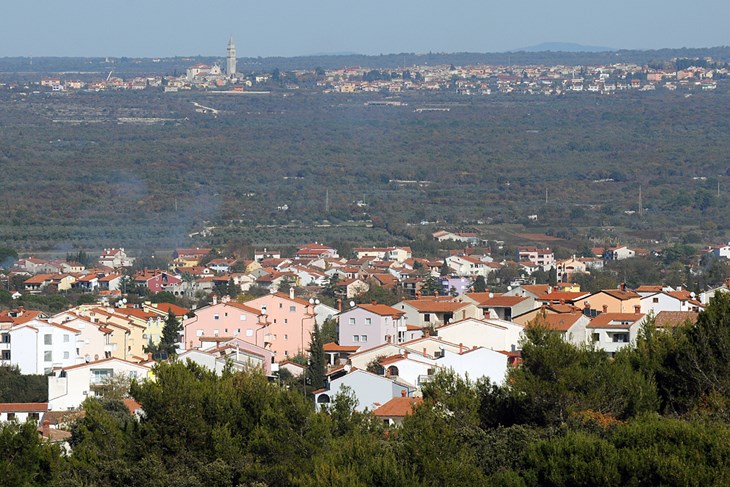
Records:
x=466, y=80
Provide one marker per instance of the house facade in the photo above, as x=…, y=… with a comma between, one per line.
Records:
x=371, y=325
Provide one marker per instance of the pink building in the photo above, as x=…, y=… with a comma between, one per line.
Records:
x=289, y=322
x=222, y=322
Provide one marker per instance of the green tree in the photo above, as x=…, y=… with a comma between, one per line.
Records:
x=479, y=285
x=24, y=458
x=317, y=363
x=170, y=335
x=329, y=331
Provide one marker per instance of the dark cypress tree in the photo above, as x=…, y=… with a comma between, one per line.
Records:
x=317, y=359
x=170, y=334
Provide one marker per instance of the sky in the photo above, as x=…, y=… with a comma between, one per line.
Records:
x=161, y=28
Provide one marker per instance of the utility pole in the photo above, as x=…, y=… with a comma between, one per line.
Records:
x=327, y=201
x=546, y=195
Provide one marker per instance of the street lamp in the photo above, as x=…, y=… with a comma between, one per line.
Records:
x=312, y=302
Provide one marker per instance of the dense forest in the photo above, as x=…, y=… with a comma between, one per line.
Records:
x=90, y=170
x=655, y=414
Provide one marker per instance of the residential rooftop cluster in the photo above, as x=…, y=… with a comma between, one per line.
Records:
x=263, y=312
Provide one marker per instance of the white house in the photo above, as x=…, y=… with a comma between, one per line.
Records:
x=488, y=333
x=371, y=390
x=71, y=385
x=37, y=347
x=612, y=331
x=475, y=364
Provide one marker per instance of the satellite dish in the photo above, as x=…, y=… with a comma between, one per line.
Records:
x=509, y=288
x=352, y=304
x=263, y=312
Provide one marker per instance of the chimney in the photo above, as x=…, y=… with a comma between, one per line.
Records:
x=426, y=332
x=461, y=348
x=402, y=393
x=424, y=351
x=387, y=338
x=373, y=302
x=149, y=356
x=463, y=314
x=46, y=429
x=215, y=300
x=605, y=308
x=637, y=309
x=339, y=305
x=291, y=292
x=405, y=353
x=622, y=286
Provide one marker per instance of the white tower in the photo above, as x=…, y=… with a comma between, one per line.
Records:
x=231, y=63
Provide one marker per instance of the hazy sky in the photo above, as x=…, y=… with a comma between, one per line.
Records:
x=153, y=28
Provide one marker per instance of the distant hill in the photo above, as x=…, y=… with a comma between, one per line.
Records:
x=564, y=47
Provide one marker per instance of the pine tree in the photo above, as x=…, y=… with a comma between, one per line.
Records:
x=170, y=333
x=317, y=359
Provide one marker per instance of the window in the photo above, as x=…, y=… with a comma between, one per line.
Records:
x=427, y=317
x=368, y=321
x=225, y=330
x=66, y=338
x=215, y=333
x=281, y=305
x=48, y=356
x=199, y=333
x=35, y=416
x=356, y=338
x=249, y=332
x=596, y=337
x=621, y=338
x=655, y=300
x=292, y=309
x=243, y=317
x=363, y=338
x=11, y=416
x=351, y=321
x=286, y=321
x=6, y=355
x=225, y=314
x=216, y=317
x=132, y=374
x=6, y=337
x=286, y=337
x=65, y=355
x=48, y=339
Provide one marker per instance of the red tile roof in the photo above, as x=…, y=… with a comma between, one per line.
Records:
x=334, y=347
x=398, y=407
x=672, y=319
x=22, y=407
x=615, y=320
x=381, y=309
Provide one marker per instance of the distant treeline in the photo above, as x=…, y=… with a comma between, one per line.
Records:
x=172, y=65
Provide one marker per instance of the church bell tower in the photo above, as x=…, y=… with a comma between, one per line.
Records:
x=231, y=63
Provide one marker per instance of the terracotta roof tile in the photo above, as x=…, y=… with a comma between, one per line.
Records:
x=398, y=407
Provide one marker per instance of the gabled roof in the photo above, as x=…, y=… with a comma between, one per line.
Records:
x=381, y=309
x=502, y=301
x=23, y=407
x=103, y=361
x=398, y=407
x=673, y=319
x=335, y=347
x=433, y=306
x=619, y=294
x=615, y=320
x=167, y=307
x=560, y=322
